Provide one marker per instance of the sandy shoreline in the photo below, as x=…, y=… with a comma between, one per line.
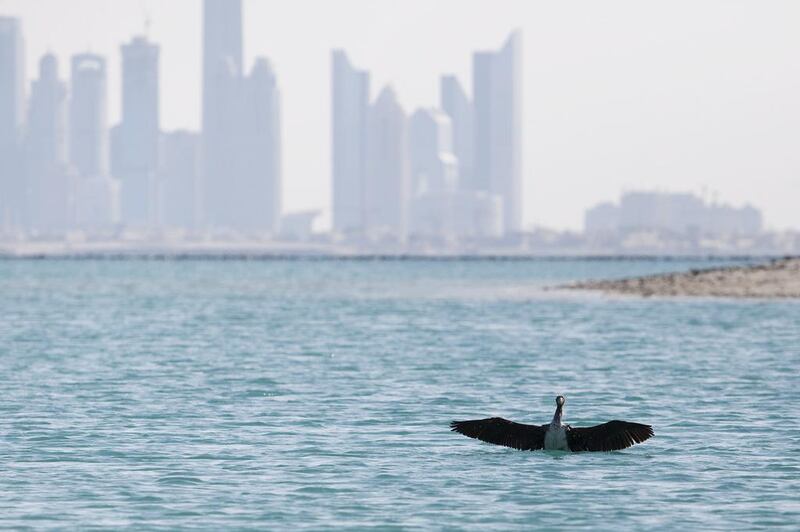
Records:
x=779, y=278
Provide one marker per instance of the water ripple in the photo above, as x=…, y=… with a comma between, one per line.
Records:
x=312, y=394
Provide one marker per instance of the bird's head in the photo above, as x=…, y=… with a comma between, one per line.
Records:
x=560, y=400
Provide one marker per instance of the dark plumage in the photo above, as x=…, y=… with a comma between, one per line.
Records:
x=503, y=432
x=611, y=436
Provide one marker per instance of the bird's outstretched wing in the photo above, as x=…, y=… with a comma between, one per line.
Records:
x=610, y=436
x=503, y=432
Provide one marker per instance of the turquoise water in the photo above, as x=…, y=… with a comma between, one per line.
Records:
x=312, y=394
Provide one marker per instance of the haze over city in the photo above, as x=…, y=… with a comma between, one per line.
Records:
x=400, y=264
x=623, y=95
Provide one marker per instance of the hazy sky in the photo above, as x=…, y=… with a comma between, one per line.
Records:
x=680, y=95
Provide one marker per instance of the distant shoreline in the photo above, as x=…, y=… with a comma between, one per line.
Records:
x=210, y=249
x=778, y=278
x=231, y=255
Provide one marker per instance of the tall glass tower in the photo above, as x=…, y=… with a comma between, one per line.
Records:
x=12, y=98
x=498, y=127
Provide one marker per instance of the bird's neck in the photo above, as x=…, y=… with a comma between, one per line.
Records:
x=557, y=416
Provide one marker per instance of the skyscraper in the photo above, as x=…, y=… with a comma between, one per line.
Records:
x=51, y=184
x=498, y=127
x=222, y=56
x=350, y=99
x=88, y=119
x=457, y=105
x=12, y=97
x=241, y=128
x=259, y=204
x=47, y=114
x=96, y=195
x=387, y=184
x=179, y=179
x=434, y=167
x=434, y=173
x=222, y=72
x=135, y=142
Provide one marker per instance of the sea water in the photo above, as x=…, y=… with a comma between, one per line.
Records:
x=317, y=393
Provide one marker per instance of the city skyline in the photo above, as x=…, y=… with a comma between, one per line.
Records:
x=444, y=174
x=738, y=176
x=65, y=169
x=241, y=172
x=394, y=176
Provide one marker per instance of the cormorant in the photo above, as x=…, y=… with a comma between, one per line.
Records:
x=555, y=436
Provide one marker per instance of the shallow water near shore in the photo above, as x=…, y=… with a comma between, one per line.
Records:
x=313, y=394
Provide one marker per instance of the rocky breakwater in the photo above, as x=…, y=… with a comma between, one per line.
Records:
x=779, y=278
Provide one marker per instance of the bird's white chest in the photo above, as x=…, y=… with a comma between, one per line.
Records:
x=555, y=439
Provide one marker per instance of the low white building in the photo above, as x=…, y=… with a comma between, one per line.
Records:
x=677, y=213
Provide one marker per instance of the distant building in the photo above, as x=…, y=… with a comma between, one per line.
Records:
x=602, y=218
x=298, y=226
x=222, y=58
x=434, y=167
x=97, y=194
x=96, y=203
x=259, y=192
x=135, y=142
x=497, y=93
x=350, y=106
x=434, y=174
x=478, y=215
x=88, y=116
x=677, y=213
x=724, y=219
x=477, y=206
x=241, y=128
x=222, y=71
x=179, y=180
x=12, y=102
x=457, y=105
x=387, y=184
x=51, y=182
x=47, y=115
